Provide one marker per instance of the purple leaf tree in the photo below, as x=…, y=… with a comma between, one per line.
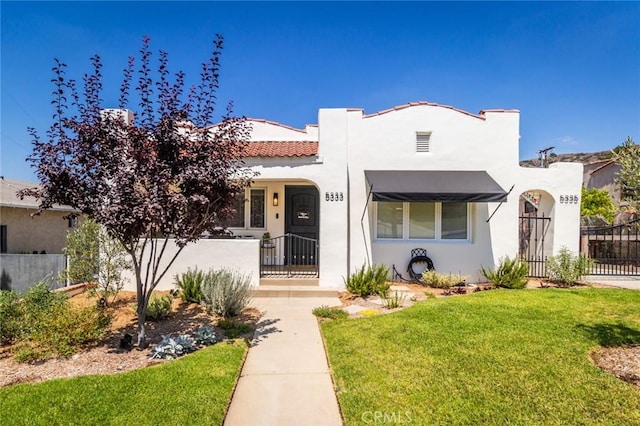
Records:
x=150, y=173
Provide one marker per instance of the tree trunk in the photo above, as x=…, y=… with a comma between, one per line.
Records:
x=142, y=332
x=141, y=299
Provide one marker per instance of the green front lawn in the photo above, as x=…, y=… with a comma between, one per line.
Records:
x=495, y=357
x=191, y=390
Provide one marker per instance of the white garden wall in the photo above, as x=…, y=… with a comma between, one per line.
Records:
x=241, y=255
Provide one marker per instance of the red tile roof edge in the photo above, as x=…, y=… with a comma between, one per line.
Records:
x=480, y=115
x=425, y=103
x=274, y=123
x=281, y=149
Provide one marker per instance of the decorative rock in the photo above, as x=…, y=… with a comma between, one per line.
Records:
x=353, y=309
x=399, y=288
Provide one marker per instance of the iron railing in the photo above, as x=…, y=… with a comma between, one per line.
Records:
x=615, y=250
x=289, y=255
x=533, y=230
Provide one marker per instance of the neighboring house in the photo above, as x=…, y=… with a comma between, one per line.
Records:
x=602, y=175
x=369, y=188
x=23, y=230
x=31, y=244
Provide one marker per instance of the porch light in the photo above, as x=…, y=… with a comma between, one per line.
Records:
x=275, y=199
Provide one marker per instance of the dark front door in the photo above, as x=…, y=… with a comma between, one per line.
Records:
x=302, y=219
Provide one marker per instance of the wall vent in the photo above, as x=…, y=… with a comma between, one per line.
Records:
x=423, y=141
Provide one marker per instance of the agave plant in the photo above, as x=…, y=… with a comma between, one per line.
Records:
x=170, y=348
x=205, y=335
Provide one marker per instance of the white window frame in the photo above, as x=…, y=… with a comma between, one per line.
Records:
x=438, y=225
x=247, y=210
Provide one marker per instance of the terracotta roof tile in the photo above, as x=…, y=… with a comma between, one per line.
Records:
x=281, y=149
x=419, y=103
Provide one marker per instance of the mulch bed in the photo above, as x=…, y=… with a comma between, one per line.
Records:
x=622, y=362
x=106, y=357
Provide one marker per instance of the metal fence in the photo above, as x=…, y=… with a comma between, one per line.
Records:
x=289, y=255
x=615, y=250
x=533, y=231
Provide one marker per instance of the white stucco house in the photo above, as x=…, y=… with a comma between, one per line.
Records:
x=368, y=188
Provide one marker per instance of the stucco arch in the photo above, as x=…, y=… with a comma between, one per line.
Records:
x=536, y=228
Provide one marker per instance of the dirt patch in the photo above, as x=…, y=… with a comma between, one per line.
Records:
x=106, y=357
x=622, y=362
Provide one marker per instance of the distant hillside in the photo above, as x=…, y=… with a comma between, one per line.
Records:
x=584, y=158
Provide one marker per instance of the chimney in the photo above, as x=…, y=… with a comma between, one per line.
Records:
x=122, y=114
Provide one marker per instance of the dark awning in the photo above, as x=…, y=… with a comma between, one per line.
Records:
x=431, y=185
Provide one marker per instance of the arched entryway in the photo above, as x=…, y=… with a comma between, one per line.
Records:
x=536, y=230
x=293, y=249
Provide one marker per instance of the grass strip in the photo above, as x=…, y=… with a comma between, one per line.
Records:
x=195, y=389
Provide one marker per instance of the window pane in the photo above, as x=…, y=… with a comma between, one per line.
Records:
x=422, y=220
x=237, y=221
x=389, y=220
x=454, y=221
x=257, y=208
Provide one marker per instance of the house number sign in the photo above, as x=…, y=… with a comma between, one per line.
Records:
x=569, y=199
x=333, y=196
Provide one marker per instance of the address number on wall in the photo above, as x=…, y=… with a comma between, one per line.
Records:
x=334, y=196
x=569, y=199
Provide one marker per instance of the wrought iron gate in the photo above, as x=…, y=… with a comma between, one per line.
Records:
x=615, y=250
x=533, y=230
x=289, y=255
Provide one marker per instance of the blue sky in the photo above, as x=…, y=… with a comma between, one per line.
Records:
x=572, y=69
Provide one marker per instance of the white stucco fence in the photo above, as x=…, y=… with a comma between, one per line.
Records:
x=241, y=255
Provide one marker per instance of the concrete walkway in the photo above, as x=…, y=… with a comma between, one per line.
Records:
x=285, y=379
x=630, y=282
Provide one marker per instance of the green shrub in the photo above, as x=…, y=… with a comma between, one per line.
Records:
x=37, y=304
x=368, y=280
x=26, y=353
x=395, y=301
x=233, y=329
x=226, y=293
x=94, y=256
x=190, y=284
x=45, y=323
x=510, y=273
x=39, y=298
x=66, y=329
x=83, y=252
x=10, y=316
x=159, y=308
x=565, y=268
x=437, y=280
x=331, y=313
